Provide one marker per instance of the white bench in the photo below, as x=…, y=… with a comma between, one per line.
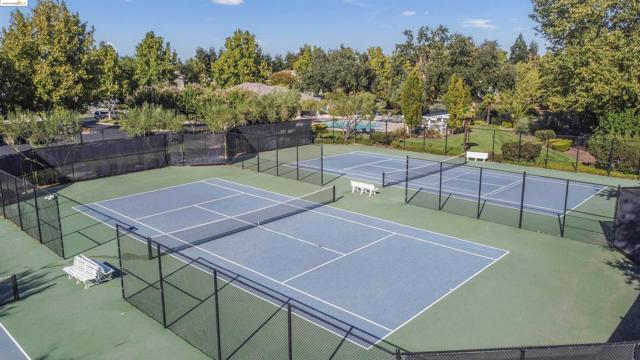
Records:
x=477, y=156
x=88, y=271
x=363, y=187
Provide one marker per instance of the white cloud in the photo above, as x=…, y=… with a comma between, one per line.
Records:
x=408, y=13
x=478, y=23
x=228, y=2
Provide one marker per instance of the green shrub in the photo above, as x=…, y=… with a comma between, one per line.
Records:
x=529, y=151
x=625, y=156
x=507, y=125
x=544, y=135
x=319, y=129
x=561, y=145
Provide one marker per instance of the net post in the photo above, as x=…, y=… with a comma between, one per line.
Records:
x=383, y=175
x=322, y=164
x=35, y=201
x=524, y=181
x=440, y=189
x=15, y=183
x=14, y=287
x=60, y=226
x=120, y=260
x=406, y=181
x=298, y=162
x=289, y=332
x=564, y=211
x=164, y=311
x=334, y=193
x=479, y=194
x=217, y=308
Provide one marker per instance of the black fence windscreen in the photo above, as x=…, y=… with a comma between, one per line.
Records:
x=627, y=224
x=9, y=291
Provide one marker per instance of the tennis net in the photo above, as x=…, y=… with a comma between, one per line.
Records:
x=249, y=220
x=411, y=173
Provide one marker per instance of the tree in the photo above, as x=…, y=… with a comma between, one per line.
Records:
x=533, y=50
x=279, y=64
x=128, y=83
x=110, y=75
x=155, y=62
x=592, y=64
x=351, y=109
x=519, y=51
x=240, y=61
x=304, y=59
x=52, y=58
x=412, y=101
x=147, y=119
x=459, y=104
x=286, y=78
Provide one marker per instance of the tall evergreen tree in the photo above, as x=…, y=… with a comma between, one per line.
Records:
x=533, y=50
x=155, y=61
x=412, y=99
x=519, y=51
x=240, y=61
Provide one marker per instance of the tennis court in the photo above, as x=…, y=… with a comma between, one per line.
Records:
x=374, y=274
x=542, y=195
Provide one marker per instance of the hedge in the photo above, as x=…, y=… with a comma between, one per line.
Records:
x=528, y=152
x=561, y=145
x=625, y=156
x=544, y=135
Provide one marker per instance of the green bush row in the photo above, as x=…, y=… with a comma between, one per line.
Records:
x=561, y=145
x=529, y=151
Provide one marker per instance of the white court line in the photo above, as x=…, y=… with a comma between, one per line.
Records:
x=367, y=216
x=251, y=270
x=15, y=342
x=384, y=230
x=277, y=232
x=508, y=186
x=587, y=199
x=250, y=293
x=152, y=191
x=339, y=257
x=188, y=206
x=367, y=164
x=443, y=296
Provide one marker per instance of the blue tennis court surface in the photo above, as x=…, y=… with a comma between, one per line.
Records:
x=9, y=347
x=374, y=274
x=542, y=195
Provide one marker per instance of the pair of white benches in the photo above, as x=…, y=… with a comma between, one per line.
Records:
x=88, y=271
x=477, y=156
x=363, y=188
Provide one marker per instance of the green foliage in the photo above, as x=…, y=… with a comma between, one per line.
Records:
x=625, y=154
x=351, y=109
x=561, y=145
x=507, y=124
x=18, y=126
x=240, y=61
x=51, y=60
x=343, y=69
x=155, y=62
x=280, y=106
x=311, y=107
x=624, y=125
x=519, y=51
x=197, y=70
x=148, y=119
x=162, y=96
x=592, y=63
x=412, y=100
x=110, y=74
x=48, y=128
x=458, y=102
x=544, y=135
x=319, y=129
x=283, y=78
x=529, y=151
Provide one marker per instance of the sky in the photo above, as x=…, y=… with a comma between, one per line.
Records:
x=286, y=25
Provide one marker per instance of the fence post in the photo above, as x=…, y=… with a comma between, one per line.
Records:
x=440, y=189
x=120, y=260
x=4, y=212
x=446, y=139
x=333, y=130
x=493, y=145
x=277, y=156
x=14, y=287
x=546, y=158
x=519, y=147
x=406, y=182
x=15, y=183
x=615, y=211
x=289, y=332
x=479, y=194
x=636, y=351
x=610, y=160
x=564, y=211
x=386, y=131
x=523, y=354
x=321, y=164
x=524, y=181
x=398, y=355
x=258, y=152
x=35, y=201
x=297, y=162
x=60, y=227
x=217, y=307
x=578, y=155
x=424, y=139
x=164, y=311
